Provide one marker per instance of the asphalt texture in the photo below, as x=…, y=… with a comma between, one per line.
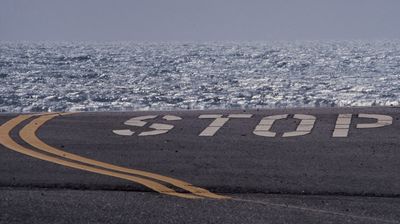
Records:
x=314, y=178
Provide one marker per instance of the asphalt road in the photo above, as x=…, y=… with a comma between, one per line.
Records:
x=201, y=167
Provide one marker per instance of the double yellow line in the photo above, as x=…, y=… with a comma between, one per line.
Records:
x=54, y=155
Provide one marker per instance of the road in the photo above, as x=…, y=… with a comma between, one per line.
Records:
x=304, y=165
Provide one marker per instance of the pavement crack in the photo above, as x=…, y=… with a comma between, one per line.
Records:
x=314, y=210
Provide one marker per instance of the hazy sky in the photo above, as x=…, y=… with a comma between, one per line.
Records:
x=199, y=20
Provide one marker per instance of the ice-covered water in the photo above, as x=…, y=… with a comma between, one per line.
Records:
x=147, y=76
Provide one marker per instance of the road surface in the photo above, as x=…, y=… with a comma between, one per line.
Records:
x=310, y=165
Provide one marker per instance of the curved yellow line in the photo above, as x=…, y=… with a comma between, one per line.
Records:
x=28, y=135
x=8, y=142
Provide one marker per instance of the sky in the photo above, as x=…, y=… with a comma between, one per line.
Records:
x=198, y=20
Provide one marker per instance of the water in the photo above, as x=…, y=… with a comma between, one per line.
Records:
x=147, y=76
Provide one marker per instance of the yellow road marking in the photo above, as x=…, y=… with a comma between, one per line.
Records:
x=27, y=133
x=8, y=142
